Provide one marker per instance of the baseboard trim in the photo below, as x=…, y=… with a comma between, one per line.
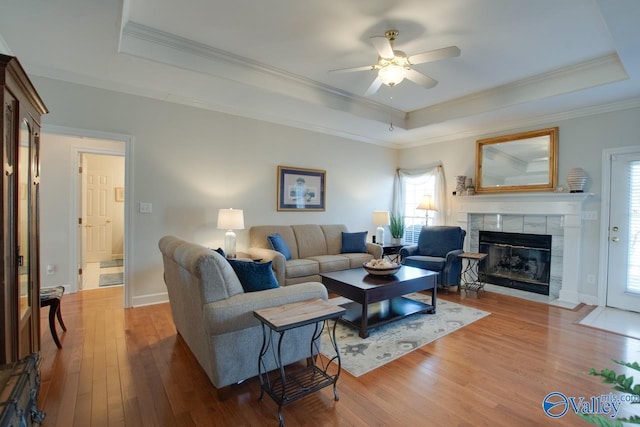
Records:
x=150, y=299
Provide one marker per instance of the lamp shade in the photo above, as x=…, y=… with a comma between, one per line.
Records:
x=381, y=218
x=427, y=203
x=231, y=219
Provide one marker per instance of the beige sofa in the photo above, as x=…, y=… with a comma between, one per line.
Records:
x=215, y=317
x=314, y=249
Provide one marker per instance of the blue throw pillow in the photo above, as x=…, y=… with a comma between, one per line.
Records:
x=278, y=243
x=354, y=242
x=254, y=276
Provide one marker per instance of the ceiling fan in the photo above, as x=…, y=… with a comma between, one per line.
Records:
x=394, y=65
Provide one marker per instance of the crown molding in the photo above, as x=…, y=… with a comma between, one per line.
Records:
x=588, y=74
x=513, y=125
x=156, y=45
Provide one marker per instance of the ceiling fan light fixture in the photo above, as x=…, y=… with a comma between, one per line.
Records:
x=391, y=74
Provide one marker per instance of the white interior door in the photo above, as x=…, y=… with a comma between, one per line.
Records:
x=623, y=278
x=98, y=216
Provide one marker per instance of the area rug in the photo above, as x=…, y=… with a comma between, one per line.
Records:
x=111, y=279
x=112, y=263
x=394, y=340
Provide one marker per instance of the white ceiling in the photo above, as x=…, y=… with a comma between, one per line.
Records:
x=522, y=63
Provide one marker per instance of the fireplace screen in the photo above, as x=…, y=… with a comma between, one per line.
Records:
x=516, y=260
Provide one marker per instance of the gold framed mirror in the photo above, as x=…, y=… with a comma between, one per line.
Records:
x=525, y=161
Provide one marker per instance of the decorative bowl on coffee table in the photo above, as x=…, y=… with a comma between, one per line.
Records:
x=389, y=271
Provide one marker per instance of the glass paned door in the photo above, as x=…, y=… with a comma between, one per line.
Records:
x=623, y=279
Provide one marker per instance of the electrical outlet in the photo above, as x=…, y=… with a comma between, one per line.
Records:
x=591, y=279
x=146, y=208
x=590, y=215
x=51, y=269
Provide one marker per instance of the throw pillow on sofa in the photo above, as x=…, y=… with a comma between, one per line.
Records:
x=254, y=276
x=354, y=242
x=221, y=252
x=277, y=243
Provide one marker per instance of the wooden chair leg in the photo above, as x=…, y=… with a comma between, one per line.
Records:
x=59, y=315
x=53, y=309
x=224, y=393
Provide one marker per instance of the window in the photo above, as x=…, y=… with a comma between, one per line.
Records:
x=414, y=219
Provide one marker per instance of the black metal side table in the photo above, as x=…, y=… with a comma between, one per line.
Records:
x=286, y=387
x=391, y=252
x=470, y=273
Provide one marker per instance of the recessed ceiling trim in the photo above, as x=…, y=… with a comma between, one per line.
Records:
x=152, y=44
x=513, y=125
x=588, y=74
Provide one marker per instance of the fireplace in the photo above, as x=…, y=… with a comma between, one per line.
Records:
x=556, y=214
x=516, y=260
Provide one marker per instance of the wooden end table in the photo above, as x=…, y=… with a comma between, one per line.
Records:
x=286, y=388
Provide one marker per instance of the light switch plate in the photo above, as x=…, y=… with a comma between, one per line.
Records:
x=146, y=208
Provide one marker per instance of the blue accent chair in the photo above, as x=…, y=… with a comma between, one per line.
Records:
x=437, y=250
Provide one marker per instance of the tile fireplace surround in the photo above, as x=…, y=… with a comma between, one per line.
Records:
x=557, y=214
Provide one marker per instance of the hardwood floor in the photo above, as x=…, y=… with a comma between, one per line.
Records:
x=128, y=367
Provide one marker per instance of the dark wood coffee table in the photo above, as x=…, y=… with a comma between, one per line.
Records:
x=378, y=300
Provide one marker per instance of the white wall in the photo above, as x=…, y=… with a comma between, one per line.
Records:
x=190, y=162
x=581, y=142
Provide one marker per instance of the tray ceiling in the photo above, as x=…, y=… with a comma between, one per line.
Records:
x=522, y=62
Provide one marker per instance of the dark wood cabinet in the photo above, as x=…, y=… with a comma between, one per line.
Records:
x=22, y=109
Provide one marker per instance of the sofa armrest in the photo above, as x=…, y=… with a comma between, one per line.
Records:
x=406, y=251
x=277, y=259
x=375, y=250
x=236, y=313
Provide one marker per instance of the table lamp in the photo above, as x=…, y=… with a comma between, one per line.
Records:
x=230, y=219
x=380, y=218
x=427, y=204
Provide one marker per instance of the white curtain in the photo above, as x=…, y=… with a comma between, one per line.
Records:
x=439, y=196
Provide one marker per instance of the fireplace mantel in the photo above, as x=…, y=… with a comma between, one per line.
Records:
x=566, y=205
x=524, y=203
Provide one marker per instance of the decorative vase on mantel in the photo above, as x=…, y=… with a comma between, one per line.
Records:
x=461, y=187
x=576, y=178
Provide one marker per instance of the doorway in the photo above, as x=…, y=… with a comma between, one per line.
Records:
x=621, y=228
x=101, y=201
x=61, y=244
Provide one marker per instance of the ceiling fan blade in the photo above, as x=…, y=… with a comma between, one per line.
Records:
x=420, y=79
x=374, y=87
x=435, y=55
x=383, y=47
x=350, y=70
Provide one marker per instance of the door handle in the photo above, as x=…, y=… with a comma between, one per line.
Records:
x=88, y=225
x=108, y=221
x=615, y=239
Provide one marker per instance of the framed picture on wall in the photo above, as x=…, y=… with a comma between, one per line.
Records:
x=301, y=189
x=119, y=194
